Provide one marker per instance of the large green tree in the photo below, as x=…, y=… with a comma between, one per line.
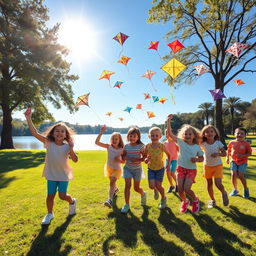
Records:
x=33, y=69
x=208, y=28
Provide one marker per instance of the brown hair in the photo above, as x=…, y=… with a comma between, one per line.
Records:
x=69, y=132
x=134, y=130
x=202, y=136
x=121, y=143
x=186, y=127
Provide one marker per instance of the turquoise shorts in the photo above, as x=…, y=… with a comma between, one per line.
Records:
x=173, y=165
x=239, y=168
x=53, y=186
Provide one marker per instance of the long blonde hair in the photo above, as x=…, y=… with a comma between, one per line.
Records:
x=121, y=143
x=186, y=127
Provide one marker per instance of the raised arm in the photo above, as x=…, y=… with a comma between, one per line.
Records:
x=97, y=141
x=169, y=129
x=32, y=128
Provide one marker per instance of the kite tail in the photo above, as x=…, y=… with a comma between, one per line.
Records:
x=153, y=85
x=96, y=114
x=159, y=55
x=174, y=102
x=121, y=51
x=109, y=84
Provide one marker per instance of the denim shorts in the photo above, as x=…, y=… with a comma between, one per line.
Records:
x=136, y=174
x=52, y=186
x=156, y=174
x=239, y=168
x=173, y=165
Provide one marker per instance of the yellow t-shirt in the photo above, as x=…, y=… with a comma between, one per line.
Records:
x=155, y=155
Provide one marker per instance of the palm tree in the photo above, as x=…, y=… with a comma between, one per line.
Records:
x=232, y=104
x=206, y=110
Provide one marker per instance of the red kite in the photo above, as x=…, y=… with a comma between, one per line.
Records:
x=176, y=46
x=239, y=82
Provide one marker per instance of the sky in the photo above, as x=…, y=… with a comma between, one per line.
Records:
x=94, y=50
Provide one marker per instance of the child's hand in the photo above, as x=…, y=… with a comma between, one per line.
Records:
x=103, y=128
x=227, y=160
x=215, y=155
x=169, y=117
x=28, y=113
x=71, y=143
x=193, y=159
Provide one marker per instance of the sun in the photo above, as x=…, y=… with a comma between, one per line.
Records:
x=79, y=38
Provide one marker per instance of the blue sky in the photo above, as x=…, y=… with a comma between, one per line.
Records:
x=106, y=19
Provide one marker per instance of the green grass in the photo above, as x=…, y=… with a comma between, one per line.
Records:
x=97, y=230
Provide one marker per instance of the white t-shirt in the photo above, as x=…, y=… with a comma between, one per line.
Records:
x=112, y=154
x=186, y=152
x=210, y=149
x=56, y=162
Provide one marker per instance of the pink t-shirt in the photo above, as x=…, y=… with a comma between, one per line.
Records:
x=172, y=148
x=56, y=162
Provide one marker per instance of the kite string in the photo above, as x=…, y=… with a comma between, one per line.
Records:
x=96, y=114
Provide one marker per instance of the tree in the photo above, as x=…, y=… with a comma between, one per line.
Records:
x=212, y=27
x=33, y=69
x=250, y=117
x=206, y=110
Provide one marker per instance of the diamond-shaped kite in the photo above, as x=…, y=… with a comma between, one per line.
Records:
x=217, y=94
x=239, y=82
x=147, y=96
x=176, y=46
x=83, y=100
x=139, y=106
x=173, y=67
x=236, y=49
x=124, y=60
x=106, y=75
x=118, y=84
x=128, y=109
x=154, y=46
x=149, y=74
x=201, y=69
x=120, y=38
x=162, y=100
x=155, y=98
x=150, y=114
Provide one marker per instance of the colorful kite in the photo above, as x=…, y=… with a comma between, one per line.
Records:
x=149, y=74
x=239, y=82
x=176, y=46
x=118, y=84
x=147, y=96
x=120, y=118
x=173, y=67
x=236, y=49
x=106, y=75
x=139, y=106
x=124, y=60
x=155, y=98
x=154, y=46
x=83, y=100
x=162, y=100
x=120, y=38
x=108, y=113
x=150, y=114
x=201, y=69
x=217, y=94
x=128, y=109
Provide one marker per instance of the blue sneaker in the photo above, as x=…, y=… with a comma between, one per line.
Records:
x=125, y=208
x=246, y=193
x=234, y=192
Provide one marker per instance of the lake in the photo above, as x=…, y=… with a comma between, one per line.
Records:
x=82, y=141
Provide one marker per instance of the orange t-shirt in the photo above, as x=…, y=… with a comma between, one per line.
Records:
x=239, y=147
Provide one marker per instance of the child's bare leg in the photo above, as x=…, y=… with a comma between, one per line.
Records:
x=49, y=202
x=137, y=188
x=66, y=197
x=234, y=179
x=182, y=194
x=160, y=188
x=174, y=177
x=112, y=187
x=243, y=180
x=187, y=188
x=219, y=185
x=169, y=177
x=152, y=184
x=128, y=183
x=210, y=188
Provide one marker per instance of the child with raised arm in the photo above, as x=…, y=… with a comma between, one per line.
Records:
x=133, y=169
x=213, y=167
x=154, y=153
x=189, y=153
x=58, y=140
x=239, y=150
x=113, y=167
x=173, y=149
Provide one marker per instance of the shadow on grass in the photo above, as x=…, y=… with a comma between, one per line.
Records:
x=50, y=245
x=221, y=238
x=127, y=227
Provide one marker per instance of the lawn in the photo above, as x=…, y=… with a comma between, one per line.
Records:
x=97, y=230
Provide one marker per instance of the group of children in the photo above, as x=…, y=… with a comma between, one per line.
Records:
x=183, y=152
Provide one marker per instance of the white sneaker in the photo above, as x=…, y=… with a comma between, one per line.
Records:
x=72, y=207
x=47, y=219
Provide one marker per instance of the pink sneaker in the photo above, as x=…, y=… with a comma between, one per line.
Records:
x=196, y=205
x=184, y=205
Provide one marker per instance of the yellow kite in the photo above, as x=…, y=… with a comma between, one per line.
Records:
x=173, y=67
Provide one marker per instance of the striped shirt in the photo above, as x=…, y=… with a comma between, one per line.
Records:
x=133, y=152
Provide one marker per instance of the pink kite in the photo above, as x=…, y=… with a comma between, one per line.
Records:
x=149, y=74
x=147, y=96
x=139, y=106
x=201, y=69
x=236, y=49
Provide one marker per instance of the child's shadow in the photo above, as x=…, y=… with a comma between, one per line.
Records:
x=220, y=237
x=127, y=228
x=50, y=245
x=182, y=230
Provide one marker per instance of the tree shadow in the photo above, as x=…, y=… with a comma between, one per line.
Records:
x=245, y=220
x=50, y=245
x=182, y=230
x=127, y=227
x=221, y=238
x=4, y=182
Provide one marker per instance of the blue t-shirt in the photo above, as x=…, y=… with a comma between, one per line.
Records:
x=186, y=152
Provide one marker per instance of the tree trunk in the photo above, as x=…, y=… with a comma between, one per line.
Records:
x=6, y=135
x=219, y=120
